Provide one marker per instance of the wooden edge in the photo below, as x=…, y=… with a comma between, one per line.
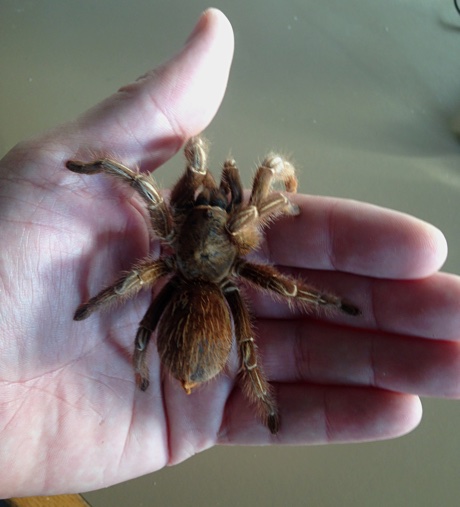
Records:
x=48, y=501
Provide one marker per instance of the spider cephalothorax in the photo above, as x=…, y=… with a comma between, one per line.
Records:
x=209, y=229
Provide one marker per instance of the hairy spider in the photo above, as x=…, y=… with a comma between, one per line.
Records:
x=209, y=230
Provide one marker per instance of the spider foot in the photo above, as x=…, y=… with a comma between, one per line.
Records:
x=350, y=309
x=282, y=170
x=82, y=312
x=273, y=423
x=140, y=358
x=76, y=166
x=142, y=382
x=196, y=153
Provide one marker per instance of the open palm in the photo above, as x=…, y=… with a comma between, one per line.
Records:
x=70, y=412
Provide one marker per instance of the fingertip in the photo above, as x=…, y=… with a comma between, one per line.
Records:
x=407, y=415
x=205, y=62
x=190, y=86
x=392, y=244
x=425, y=252
x=212, y=22
x=437, y=244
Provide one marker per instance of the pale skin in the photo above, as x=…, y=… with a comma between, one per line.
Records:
x=70, y=412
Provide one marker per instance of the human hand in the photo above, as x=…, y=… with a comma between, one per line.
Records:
x=70, y=412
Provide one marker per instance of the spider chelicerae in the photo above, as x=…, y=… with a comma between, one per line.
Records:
x=209, y=229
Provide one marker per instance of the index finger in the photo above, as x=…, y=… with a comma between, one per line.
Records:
x=355, y=237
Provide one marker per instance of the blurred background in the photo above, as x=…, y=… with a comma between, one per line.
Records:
x=365, y=96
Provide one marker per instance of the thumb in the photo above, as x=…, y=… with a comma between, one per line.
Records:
x=150, y=118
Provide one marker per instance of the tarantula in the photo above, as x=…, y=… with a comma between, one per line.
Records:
x=209, y=230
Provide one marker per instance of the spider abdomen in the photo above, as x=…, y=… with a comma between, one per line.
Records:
x=195, y=334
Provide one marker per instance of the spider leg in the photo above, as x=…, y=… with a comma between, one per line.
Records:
x=275, y=204
x=196, y=174
x=254, y=382
x=146, y=327
x=143, y=184
x=243, y=225
x=273, y=168
x=230, y=183
x=269, y=278
x=145, y=274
